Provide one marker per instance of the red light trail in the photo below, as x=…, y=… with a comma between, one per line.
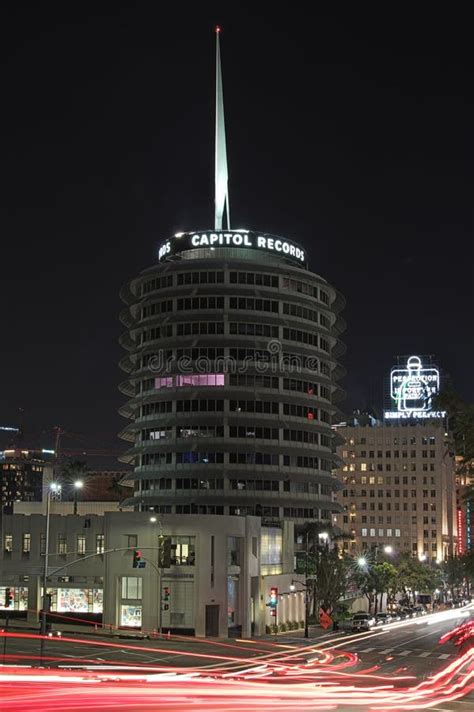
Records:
x=284, y=678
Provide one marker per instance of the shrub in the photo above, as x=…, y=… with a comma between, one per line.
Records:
x=301, y=624
x=268, y=629
x=282, y=627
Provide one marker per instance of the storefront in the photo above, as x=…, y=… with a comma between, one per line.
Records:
x=19, y=598
x=76, y=600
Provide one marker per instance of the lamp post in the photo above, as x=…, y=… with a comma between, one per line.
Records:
x=53, y=487
x=78, y=485
x=306, y=600
x=159, y=571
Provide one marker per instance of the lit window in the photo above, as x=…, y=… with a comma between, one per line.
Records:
x=363, y=467
x=99, y=543
x=131, y=588
x=62, y=544
x=8, y=545
x=205, y=379
x=26, y=548
x=81, y=545
x=364, y=532
x=397, y=532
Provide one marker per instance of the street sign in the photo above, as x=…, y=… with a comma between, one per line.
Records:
x=324, y=620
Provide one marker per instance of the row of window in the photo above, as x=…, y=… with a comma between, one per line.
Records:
x=240, y=431
x=384, y=519
x=244, y=380
x=387, y=467
x=211, y=405
x=270, y=306
x=61, y=544
x=387, y=506
x=186, y=483
x=388, y=493
x=157, y=283
x=157, y=332
x=390, y=532
x=238, y=458
x=306, y=337
x=252, y=278
x=405, y=440
x=166, y=359
x=200, y=328
x=380, y=480
x=388, y=454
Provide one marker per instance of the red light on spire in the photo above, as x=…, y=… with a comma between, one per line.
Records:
x=218, y=29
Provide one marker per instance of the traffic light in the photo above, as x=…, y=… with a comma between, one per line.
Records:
x=273, y=597
x=137, y=556
x=8, y=598
x=166, y=598
x=165, y=552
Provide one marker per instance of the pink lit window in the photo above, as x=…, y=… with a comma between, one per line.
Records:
x=164, y=382
x=208, y=379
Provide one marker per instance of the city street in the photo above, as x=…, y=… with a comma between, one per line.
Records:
x=386, y=668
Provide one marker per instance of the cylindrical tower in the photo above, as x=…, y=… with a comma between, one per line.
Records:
x=232, y=379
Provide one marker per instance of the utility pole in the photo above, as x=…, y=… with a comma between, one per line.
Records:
x=306, y=595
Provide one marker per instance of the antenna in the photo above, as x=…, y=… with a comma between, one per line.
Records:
x=221, y=175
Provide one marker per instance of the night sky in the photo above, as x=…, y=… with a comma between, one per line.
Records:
x=349, y=133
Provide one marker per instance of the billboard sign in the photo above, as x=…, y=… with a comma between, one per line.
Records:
x=412, y=389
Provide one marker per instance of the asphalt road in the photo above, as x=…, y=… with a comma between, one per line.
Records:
x=407, y=648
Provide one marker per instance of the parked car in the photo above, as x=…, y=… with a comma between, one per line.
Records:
x=363, y=621
x=406, y=613
x=383, y=618
x=420, y=610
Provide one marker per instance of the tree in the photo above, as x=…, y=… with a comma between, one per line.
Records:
x=460, y=420
x=75, y=470
x=415, y=576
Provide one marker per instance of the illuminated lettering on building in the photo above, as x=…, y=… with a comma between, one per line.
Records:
x=238, y=239
x=412, y=389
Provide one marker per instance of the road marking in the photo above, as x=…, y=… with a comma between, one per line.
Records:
x=367, y=650
x=386, y=651
x=405, y=652
x=425, y=654
x=444, y=656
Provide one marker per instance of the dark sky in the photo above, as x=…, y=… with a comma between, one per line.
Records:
x=349, y=133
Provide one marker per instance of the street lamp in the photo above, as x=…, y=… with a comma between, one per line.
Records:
x=306, y=603
x=388, y=549
x=78, y=485
x=422, y=557
x=53, y=487
x=362, y=562
x=159, y=571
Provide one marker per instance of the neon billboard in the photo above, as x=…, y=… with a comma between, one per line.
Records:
x=412, y=389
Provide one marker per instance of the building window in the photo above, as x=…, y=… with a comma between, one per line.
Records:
x=42, y=544
x=62, y=544
x=8, y=544
x=364, y=531
x=26, y=546
x=183, y=550
x=132, y=588
x=99, y=543
x=81, y=545
x=397, y=532
x=132, y=541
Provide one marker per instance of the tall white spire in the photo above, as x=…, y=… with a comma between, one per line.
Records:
x=221, y=176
